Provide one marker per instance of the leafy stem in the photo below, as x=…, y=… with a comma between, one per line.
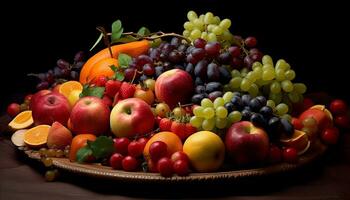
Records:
x=105, y=39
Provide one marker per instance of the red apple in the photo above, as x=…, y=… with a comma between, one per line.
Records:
x=320, y=114
x=36, y=96
x=49, y=108
x=90, y=115
x=131, y=117
x=174, y=86
x=246, y=144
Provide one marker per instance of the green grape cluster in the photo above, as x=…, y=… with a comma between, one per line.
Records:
x=208, y=27
x=272, y=81
x=211, y=115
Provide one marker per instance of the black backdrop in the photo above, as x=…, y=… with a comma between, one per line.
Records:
x=311, y=37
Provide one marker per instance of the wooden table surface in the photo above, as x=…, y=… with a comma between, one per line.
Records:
x=326, y=178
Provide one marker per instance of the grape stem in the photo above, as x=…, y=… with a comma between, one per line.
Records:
x=241, y=45
x=151, y=36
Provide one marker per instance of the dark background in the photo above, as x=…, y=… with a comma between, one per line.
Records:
x=311, y=37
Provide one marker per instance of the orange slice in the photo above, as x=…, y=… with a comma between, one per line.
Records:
x=67, y=87
x=37, y=136
x=22, y=120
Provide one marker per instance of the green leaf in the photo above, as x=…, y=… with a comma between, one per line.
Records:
x=125, y=39
x=83, y=154
x=114, y=68
x=124, y=59
x=119, y=76
x=116, y=35
x=102, y=147
x=92, y=91
x=97, y=41
x=143, y=31
x=116, y=26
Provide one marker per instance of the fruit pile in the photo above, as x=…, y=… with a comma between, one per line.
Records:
x=174, y=106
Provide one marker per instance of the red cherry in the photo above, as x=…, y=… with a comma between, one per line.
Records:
x=158, y=150
x=165, y=167
x=130, y=163
x=330, y=135
x=121, y=145
x=28, y=97
x=152, y=166
x=13, y=109
x=338, y=106
x=275, y=154
x=135, y=149
x=181, y=167
x=298, y=125
x=142, y=141
x=179, y=155
x=290, y=155
x=342, y=121
x=116, y=161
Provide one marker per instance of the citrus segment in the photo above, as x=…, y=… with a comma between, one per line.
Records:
x=36, y=136
x=67, y=87
x=22, y=120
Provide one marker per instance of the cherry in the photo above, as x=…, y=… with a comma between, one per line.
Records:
x=290, y=155
x=135, y=149
x=330, y=135
x=179, y=155
x=342, y=121
x=130, y=163
x=142, y=141
x=338, y=106
x=115, y=161
x=13, y=109
x=181, y=167
x=158, y=150
x=121, y=145
x=165, y=167
x=275, y=154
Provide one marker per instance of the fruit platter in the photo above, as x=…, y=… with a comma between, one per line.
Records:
x=202, y=105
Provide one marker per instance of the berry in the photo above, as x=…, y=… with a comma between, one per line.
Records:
x=190, y=129
x=181, y=167
x=330, y=135
x=179, y=129
x=162, y=109
x=112, y=87
x=130, y=163
x=127, y=90
x=250, y=42
x=13, y=109
x=165, y=124
x=135, y=149
x=158, y=150
x=121, y=145
x=290, y=155
x=338, y=107
x=101, y=81
x=342, y=121
x=235, y=51
x=275, y=154
x=179, y=155
x=115, y=161
x=165, y=167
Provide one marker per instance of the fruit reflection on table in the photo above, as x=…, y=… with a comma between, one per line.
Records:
x=191, y=103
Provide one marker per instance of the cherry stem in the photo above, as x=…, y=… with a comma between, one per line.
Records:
x=105, y=39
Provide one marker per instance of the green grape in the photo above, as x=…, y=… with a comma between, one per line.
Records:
x=210, y=27
x=50, y=175
x=234, y=117
x=218, y=102
x=198, y=111
x=208, y=124
x=280, y=74
x=256, y=64
x=287, y=117
x=209, y=112
x=204, y=35
x=196, y=121
x=268, y=75
x=253, y=90
x=221, y=112
x=258, y=72
x=225, y=23
x=208, y=18
x=218, y=30
x=59, y=153
x=293, y=97
x=195, y=34
x=281, y=64
x=287, y=85
x=216, y=20
x=267, y=60
x=244, y=70
x=277, y=98
x=199, y=24
x=267, y=67
x=251, y=76
x=261, y=82
x=271, y=104
x=245, y=84
x=227, y=88
x=275, y=87
x=235, y=82
x=47, y=161
x=228, y=96
x=226, y=35
x=290, y=74
x=220, y=123
x=235, y=73
x=281, y=109
x=191, y=15
x=186, y=33
x=212, y=37
x=207, y=103
x=300, y=88
x=188, y=26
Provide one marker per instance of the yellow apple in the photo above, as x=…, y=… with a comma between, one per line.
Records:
x=73, y=97
x=205, y=150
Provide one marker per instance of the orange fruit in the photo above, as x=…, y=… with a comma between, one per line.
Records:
x=36, y=136
x=133, y=49
x=171, y=139
x=79, y=142
x=22, y=120
x=102, y=68
x=67, y=87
